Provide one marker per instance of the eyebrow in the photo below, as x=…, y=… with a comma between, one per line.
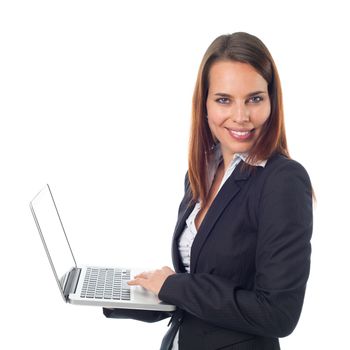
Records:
x=223, y=94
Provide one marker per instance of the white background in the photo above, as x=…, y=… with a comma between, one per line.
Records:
x=95, y=99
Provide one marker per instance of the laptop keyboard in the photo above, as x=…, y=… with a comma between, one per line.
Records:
x=107, y=284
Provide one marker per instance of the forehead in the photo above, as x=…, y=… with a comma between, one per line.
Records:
x=235, y=77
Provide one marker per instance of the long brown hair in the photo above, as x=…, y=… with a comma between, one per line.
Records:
x=245, y=48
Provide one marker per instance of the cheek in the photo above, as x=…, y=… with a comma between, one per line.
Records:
x=215, y=123
x=267, y=112
x=214, y=120
x=216, y=116
x=261, y=116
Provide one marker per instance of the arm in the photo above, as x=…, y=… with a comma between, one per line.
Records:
x=138, y=315
x=273, y=306
x=151, y=280
x=141, y=315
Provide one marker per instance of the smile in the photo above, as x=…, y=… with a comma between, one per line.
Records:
x=240, y=134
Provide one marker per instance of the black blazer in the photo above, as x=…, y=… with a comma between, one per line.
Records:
x=250, y=262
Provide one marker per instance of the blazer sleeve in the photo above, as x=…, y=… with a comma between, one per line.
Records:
x=138, y=315
x=272, y=308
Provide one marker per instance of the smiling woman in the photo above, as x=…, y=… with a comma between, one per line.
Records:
x=241, y=246
x=226, y=51
x=238, y=106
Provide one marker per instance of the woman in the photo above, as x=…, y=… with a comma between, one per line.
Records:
x=241, y=247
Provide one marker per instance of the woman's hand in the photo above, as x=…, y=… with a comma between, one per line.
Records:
x=152, y=280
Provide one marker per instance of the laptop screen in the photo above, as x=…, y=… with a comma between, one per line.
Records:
x=52, y=233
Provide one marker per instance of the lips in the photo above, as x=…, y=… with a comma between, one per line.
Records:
x=241, y=135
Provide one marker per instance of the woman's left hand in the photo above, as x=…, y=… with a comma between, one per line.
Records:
x=152, y=280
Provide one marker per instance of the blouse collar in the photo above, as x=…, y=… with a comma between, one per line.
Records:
x=241, y=156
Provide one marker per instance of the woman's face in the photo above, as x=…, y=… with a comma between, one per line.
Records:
x=238, y=105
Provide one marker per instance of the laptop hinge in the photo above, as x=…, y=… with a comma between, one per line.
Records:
x=71, y=282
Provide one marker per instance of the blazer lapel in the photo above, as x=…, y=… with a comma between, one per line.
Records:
x=227, y=192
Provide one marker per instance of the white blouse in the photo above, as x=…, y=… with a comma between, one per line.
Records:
x=188, y=235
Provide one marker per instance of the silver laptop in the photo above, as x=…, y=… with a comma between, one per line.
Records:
x=86, y=285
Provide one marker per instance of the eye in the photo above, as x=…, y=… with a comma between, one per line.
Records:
x=255, y=99
x=223, y=100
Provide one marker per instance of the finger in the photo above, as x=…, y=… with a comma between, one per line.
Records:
x=135, y=282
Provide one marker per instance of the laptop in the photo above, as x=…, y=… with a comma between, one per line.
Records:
x=86, y=285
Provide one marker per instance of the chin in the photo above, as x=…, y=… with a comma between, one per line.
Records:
x=235, y=150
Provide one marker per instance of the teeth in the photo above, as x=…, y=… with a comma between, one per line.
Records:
x=240, y=133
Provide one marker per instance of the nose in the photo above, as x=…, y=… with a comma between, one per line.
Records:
x=241, y=113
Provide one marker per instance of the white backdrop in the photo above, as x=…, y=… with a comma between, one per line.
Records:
x=95, y=99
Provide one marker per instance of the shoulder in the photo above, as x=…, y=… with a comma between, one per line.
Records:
x=281, y=177
x=279, y=161
x=281, y=166
x=187, y=182
x=284, y=178
x=187, y=199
